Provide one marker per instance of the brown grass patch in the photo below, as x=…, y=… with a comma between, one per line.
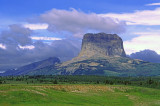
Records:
x=84, y=88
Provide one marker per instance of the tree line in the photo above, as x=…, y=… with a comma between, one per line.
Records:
x=153, y=82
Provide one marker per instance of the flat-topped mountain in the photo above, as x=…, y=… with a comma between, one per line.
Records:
x=101, y=44
x=101, y=54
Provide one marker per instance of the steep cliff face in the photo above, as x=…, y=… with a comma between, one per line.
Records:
x=101, y=44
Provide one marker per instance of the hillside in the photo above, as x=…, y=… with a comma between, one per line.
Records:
x=103, y=66
x=31, y=67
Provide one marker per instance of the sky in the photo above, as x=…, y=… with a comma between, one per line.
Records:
x=32, y=30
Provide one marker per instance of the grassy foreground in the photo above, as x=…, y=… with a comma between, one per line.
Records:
x=77, y=94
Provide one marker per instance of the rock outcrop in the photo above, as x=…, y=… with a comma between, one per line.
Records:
x=100, y=45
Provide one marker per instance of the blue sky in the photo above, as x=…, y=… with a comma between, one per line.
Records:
x=19, y=11
x=26, y=8
x=136, y=21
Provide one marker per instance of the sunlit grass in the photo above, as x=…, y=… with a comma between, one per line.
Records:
x=78, y=94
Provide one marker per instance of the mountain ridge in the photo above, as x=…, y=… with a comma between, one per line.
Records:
x=101, y=54
x=33, y=66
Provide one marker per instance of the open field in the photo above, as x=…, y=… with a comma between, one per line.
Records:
x=77, y=94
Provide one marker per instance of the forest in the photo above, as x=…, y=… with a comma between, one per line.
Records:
x=150, y=82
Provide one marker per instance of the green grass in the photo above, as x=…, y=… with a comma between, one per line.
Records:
x=77, y=94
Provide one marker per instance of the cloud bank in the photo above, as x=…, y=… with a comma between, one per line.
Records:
x=153, y=4
x=143, y=17
x=146, y=40
x=17, y=35
x=17, y=48
x=77, y=22
x=36, y=26
x=45, y=38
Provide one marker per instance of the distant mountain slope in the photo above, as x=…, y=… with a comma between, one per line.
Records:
x=146, y=55
x=108, y=66
x=33, y=66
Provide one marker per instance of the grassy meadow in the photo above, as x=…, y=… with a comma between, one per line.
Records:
x=77, y=94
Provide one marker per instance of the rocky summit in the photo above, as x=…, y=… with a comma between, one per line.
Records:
x=101, y=45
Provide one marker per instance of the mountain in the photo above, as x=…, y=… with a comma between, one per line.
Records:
x=101, y=54
x=33, y=66
x=101, y=44
x=146, y=55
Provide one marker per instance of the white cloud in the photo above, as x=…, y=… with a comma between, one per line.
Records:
x=2, y=46
x=153, y=4
x=2, y=71
x=27, y=47
x=144, y=17
x=144, y=41
x=76, y=22
x=45, y=38
x=36, y=26
x=16, y=34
